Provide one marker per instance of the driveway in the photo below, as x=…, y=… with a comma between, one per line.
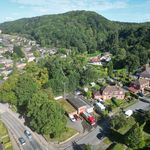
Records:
x=76, y=125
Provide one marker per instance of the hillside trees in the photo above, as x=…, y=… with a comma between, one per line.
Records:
x=132, y=62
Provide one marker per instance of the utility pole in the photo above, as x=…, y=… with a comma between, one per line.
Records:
x=64, y=91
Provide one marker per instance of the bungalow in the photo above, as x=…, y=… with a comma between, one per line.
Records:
x=77, y=103
x=139, y=85
x=110, y=91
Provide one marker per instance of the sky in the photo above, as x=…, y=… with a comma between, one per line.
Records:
x=117, y=10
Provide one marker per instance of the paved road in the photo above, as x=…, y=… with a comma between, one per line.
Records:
x=139, y=105
x=17, y=129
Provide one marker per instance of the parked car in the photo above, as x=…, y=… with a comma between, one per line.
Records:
x=141, y=94
x=28, y=134
x=76, y=117
x=140, y=110
x=72, y=118
x=128, y=113
x=100, y=136
x=22, y=141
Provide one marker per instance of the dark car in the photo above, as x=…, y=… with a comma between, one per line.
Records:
x=140, y=110
x=100, y=136
x=22, y=141
x=141, y=94
x=28, y=134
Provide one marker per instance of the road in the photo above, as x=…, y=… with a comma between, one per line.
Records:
x=139, y=105
x=18, y=131
x=16, y=128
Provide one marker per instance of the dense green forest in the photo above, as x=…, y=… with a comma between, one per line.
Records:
x=85, y=31
x=82, y=30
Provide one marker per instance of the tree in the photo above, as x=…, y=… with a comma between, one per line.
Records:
x=88, y=75
x=50, y=119
x=87, y=147
x=143, y=57
x=18, y=51
x=118, y=121
x=7, y=94
x=37, y=73
x=134, y=137
x=132, y=62
x=110, y=68
x=24, y=90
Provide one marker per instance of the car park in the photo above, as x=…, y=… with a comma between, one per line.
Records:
x=22, y=141
x=28, y=134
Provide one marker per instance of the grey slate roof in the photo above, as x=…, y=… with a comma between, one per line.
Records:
x=76, y=101
x=146, y=73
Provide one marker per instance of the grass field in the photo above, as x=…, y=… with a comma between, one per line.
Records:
x=4, y=137
x=64, y=136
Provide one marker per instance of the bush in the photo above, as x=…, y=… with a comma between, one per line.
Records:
x=118, y=146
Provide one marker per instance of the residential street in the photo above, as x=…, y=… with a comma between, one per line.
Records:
x=139, y=105
x=16, y=127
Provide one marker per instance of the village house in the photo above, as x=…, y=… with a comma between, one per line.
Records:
x=30, y=57
x=146, y=73
x=20, y=65
x=108, y=92
x=139, y=85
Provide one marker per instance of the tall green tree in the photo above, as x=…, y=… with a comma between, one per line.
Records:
x=24, y=90
x=134, y=137
x=118, y=121
x=50, y=119
x=7, y=94
x=110, y=68
x=132, y=62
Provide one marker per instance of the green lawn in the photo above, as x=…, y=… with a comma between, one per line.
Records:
x=126, y=127
x=1, y=65
x=107, y=141
x=120, y=104
x=116, y=146
x=4, y=137
x=66, y=135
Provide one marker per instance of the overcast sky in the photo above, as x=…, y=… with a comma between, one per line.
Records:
x=118, y=10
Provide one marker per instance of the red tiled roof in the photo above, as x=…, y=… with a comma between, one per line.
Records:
x=132, y=89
